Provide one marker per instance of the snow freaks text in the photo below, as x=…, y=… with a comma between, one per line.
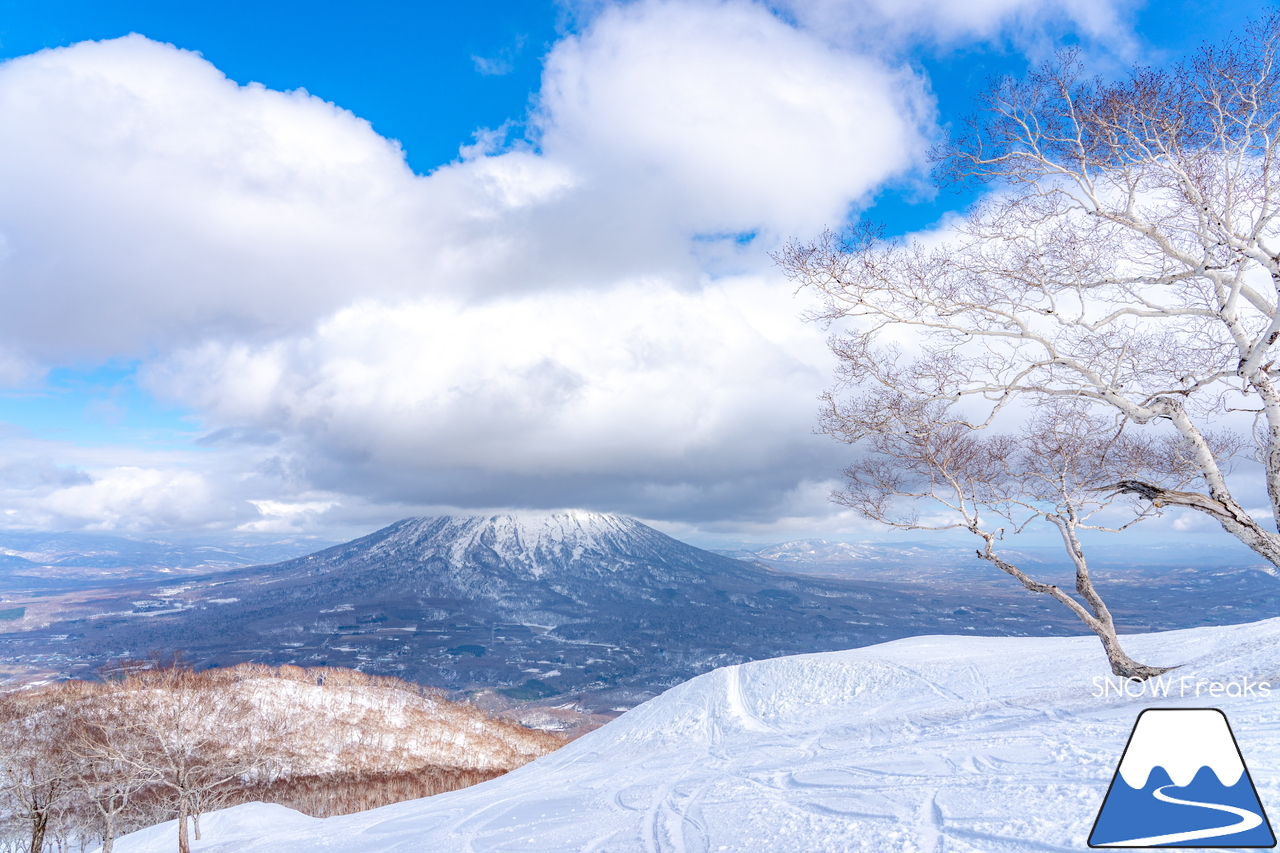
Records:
x=1182, y=687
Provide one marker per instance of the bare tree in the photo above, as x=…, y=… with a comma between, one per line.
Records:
x=1128, y=255
x=107, y=781
x=193, y=737
x=1056, y=470
x=36, y=769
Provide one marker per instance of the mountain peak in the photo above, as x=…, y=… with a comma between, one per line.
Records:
x=531, y=544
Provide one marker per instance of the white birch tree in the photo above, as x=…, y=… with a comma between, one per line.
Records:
x=1128, y=256
x=107, y=780
x=1055, y=470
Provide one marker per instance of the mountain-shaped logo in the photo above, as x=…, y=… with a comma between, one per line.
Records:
x=1182, y=782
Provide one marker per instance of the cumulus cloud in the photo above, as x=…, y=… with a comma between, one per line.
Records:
x=58, y=485
x=725, y=119
x=38, y=492
x=586, y=316
x=125, y=497
x=148, y=200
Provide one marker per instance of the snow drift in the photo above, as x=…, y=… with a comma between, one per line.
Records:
x=956, y=743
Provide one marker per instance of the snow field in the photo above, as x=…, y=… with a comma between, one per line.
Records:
x=928, y=744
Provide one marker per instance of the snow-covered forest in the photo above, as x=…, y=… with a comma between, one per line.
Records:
x=82, y=762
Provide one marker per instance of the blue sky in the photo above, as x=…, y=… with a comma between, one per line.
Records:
x=494, y=256
x=406, y=67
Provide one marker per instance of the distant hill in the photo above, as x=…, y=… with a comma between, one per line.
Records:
x=927, y=561
x=871, y=559
x=56, y=561
x=586, y=611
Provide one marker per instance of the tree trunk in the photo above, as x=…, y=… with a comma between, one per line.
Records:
x=184, y=846
x=108, y=833
x=195, y=823
x=39, y=824
x=1121, y=664
x=1099, y=622
x=1104, y=625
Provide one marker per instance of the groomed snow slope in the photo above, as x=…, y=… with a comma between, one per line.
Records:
x=926, y=744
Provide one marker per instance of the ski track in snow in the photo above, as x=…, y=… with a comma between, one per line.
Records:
x=926, y=745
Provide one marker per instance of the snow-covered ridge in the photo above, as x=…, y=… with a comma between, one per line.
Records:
x=970, y=744
x=358, y=722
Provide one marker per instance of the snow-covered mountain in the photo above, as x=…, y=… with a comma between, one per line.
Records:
x=931, y=743
x=1182, y=744
x=595, y=611
x=581, y=555
x=532, y=545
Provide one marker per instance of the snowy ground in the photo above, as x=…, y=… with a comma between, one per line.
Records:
x=926, y=744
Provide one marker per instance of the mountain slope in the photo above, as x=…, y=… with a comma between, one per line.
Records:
x=521, y=561
x=955, y=743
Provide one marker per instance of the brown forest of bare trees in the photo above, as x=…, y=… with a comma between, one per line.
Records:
x=82, y=763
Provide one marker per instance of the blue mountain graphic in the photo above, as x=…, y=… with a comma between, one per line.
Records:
x=1131, y=813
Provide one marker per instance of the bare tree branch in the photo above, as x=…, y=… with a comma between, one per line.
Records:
x=1128, y=257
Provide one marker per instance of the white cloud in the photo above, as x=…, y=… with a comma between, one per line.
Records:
x=133, y=498
x=572, y=320
x=516, y=400
x=286, y=516
x=148, y=200
x=720, y=117
x=129, y=489
x=503, y=62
